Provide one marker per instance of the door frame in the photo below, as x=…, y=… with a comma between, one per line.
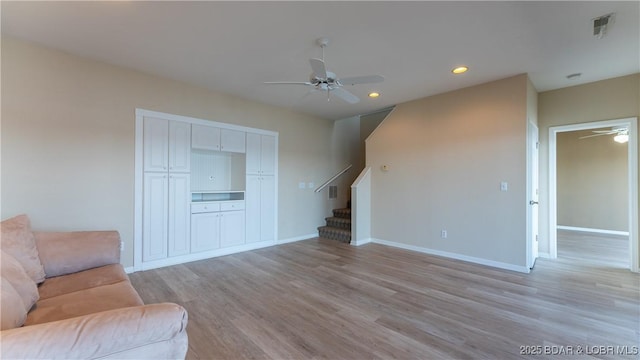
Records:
x=532, y=161
x=632, y=148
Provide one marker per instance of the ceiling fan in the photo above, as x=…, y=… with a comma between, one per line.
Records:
x=323, y=80
x=621, y=134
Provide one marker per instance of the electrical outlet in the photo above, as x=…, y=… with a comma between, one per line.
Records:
x=302, y=185
x=443, y=234
x=121, y=246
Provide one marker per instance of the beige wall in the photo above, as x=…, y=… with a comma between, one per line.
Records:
x=592, y=181
x=447, y=155
x=368, y=123
x=345, y=150
x=602, y=100
x=68, y=141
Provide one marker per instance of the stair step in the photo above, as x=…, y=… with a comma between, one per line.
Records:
x=341, y=223
x=333, y=233
x=342, y=213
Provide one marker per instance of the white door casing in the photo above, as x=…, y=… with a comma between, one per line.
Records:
x=632, y=149
x=533, y=164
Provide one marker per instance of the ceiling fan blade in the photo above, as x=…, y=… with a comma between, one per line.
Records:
x=594, y=135
x=319, y=70
x=288, y=83
x=345, y=95
x=354, y=80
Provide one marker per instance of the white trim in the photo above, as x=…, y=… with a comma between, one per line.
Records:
x=471, y=259
x=148, y=265
x=129, y=269
x=531, y=255
x=599, y=231
x=544, y=255
x=296, y=238
x=632, y=148
x=138, y=192
x=361, y=242
x=192, y=120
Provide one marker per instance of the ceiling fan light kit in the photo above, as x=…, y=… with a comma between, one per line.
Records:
x=621, y=134
x=621, y=138
x=323, y=80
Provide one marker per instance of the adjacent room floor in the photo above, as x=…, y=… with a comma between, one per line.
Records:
x=597, y=249
x=322, y=299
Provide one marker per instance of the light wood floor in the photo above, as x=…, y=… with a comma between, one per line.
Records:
x=319, y=299
x=597, y=249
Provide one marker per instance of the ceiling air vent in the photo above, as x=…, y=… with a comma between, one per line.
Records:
x=600, y=25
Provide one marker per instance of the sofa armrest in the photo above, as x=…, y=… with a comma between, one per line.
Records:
x=103, y=334
x=64, y=253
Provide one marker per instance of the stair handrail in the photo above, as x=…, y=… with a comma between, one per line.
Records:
x=324, y=185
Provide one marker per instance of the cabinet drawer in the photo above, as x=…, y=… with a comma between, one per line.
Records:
x=204, y=208
x=233, y=205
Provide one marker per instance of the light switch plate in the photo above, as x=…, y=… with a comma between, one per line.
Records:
x=504, y=186
x=302, y=184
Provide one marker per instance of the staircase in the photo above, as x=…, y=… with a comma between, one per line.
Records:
x=338, y=226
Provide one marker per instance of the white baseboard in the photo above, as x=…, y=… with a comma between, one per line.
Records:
x=361, y=242
x=129, y=269
x=475, y=260
x=297, y=238
x=544, y=255
x=598, y=231
x=176, y=260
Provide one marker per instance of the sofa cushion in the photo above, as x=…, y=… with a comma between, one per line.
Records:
x=11, y=270
x=12, y=311
x=88, y=249
x=17, y=240
x=104, y=275
x=84, y=302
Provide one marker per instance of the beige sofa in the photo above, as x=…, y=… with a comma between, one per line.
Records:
x=85, y=307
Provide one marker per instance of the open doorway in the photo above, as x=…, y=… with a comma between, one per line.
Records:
x=593, y=229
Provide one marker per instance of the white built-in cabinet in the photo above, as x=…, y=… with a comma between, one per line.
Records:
x=261, y=154
x=260, y=208
x=217, y=139
x=205, y=189
x=166, y=212
x=260, y=198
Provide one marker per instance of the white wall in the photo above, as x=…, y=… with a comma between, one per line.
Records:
x=68, y=141
x=447, y=155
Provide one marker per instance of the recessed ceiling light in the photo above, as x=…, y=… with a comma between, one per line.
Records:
x=460, y=70
x=374, y=94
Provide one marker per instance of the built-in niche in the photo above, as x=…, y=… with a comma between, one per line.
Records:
x=217, y=171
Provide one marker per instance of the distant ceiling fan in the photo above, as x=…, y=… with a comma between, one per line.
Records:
x=621, y=134
x=323, y=80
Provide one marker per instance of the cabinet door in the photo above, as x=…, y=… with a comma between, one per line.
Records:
x=205, y=232
x=179, y=214
x=205, y=137
x=179, y=146
x=232, y=140
x=254, y=144
x=268, y=154
x=268, y=209
x=252, y=208
x=155, y=216
x=156, y=144
x=231, y=228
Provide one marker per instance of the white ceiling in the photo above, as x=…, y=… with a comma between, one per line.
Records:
x=234, y=47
